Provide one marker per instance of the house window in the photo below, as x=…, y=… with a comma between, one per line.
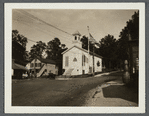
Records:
x=35, y=64
x=31, y=64
x=37, y=70
x=84, y=59
x=66, y=61
x=39, y=64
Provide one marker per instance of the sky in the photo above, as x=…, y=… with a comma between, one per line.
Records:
x=101, y=23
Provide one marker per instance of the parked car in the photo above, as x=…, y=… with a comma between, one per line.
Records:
x=51, y=75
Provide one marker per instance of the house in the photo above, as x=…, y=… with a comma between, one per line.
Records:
x=17, y=70
x=18, y=61
x=77, y=61
x=42, y=67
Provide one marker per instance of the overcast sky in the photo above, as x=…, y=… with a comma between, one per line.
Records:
x=101, y=23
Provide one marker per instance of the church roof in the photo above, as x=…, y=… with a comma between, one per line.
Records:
x=91, y=53
x=76, y=33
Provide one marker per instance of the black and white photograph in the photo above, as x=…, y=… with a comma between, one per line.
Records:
x=74, y=58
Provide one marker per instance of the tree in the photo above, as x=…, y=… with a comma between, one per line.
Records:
x=133, y=26
x=37, y=50
x=19, y=38
x=84, y=41
x=19, y=53
x=131, y=30
x=63, y=46
x=26, y=56
x=108, y=49
x=54, y=50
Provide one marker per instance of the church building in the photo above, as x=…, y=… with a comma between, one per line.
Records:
x=77, y=61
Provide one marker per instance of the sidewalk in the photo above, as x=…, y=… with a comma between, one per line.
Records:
x=112, y=93
x=106, y=73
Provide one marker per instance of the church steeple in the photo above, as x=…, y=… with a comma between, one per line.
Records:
x=76, y=40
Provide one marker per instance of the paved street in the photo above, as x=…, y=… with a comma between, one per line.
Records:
x=75, y=92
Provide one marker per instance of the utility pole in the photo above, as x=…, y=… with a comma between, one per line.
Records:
x=35, y=66
x=93, y=51
x=93, y=61
x=88, y=52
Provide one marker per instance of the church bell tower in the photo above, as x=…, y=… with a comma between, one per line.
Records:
x=76, y=40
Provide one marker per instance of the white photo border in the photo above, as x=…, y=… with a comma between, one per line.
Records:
x=48, y=109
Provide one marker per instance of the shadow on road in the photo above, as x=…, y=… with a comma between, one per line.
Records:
x=120, y=91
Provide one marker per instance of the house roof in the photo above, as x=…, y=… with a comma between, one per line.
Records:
x=18, y=66
x=91, y=53
x=47, y=61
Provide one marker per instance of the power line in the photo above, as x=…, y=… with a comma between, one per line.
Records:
x=44, y=22
x=31, y=40
x=57, y=34
x=40, y=30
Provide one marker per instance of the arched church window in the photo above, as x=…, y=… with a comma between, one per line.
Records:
x=79, y=38
x=75, y=37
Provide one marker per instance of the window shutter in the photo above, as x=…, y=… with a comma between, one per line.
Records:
x=82, y=60
x=66, y=60
x=87, y=59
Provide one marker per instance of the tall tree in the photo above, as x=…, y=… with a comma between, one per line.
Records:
x=19, y=38
x=131, y=30
x=84, y=41
x=22, y=40
x=54, y=50
x=108, y=49
x=19, y=53
x=37, y=50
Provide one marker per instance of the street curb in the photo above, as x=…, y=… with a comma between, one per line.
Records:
x=106, y=73
x=63, y=78
x=88, y=77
